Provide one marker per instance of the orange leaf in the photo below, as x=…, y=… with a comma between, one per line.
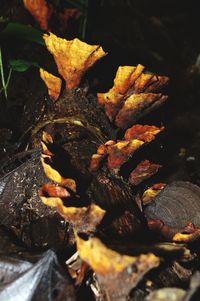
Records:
x=137, y=105
x=73, y=58
x=83, y=219
x=132, y=96
x=143, y=171
x=52, y=82
x=120, y=152
x=145, y=133
x=40, y=11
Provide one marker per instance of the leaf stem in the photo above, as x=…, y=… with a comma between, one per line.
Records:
x=2, y=76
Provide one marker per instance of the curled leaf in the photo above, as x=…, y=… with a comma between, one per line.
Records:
x=118, y=153
x=84, y=219
x=51, y=172
x=62, y=193
x=143, y=171
x=52, y=82
x=40, y=10
x=132, y=96
x=136, y=106
x=117, y=274
x=73, y=58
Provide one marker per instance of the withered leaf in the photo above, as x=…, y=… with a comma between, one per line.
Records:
x=51, y=172
x=52, y=82
x=132, y=96
x=117, y=274
x=145, y=133
x=143, y=171
x=84, y=219
x=40, y=10
x=118, y=153
x=138, y=105
x=22, y=280
x=73, y=58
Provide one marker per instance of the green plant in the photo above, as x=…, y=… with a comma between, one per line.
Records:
x=4, y=81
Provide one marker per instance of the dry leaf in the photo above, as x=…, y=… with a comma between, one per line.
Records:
x=83, y=219
x=51, y=172
x=136, y=106
x=61, y=196
x=52, y=82
x=132, y=96
x=40, y=10
x=73, y=58
x=117, y=274
x=118, y=153
x=145, y=133
x=143, y=171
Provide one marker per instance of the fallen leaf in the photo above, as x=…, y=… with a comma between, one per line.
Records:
x=143, y=171
x=83, y=219
x=52, y=82
x=145, y=133
x=62, y=193
x=120, y=152
x=52, y=173
x=117, y=274
x=23, y=280
x=136, y=106
x=73, y=58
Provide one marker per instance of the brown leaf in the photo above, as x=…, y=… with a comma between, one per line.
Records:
x=53, y=190
x=117, y=274
x=132, y=96
x=73, y=58
x=120, y=152
x=83, y=219
x=52, y=82
x=145, y=133
x=136, y=106
x=51, y=172
x=40, y=10
x=97, y=158
x=143, y=171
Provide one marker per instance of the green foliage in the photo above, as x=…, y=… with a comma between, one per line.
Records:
x=22, y=65
x=22, y=32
